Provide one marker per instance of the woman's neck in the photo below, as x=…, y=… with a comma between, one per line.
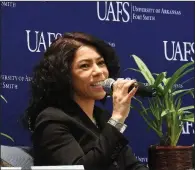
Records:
x=86, y=105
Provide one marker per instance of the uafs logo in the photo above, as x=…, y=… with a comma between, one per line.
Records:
x=178, y=51
x=38, y=41
x=188, y=128
x=113, y=11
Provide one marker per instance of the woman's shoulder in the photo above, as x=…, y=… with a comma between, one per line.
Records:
x=51, y=114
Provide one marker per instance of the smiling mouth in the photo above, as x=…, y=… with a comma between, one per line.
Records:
x=97, y=84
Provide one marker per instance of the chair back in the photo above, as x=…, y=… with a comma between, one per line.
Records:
x=16, y=156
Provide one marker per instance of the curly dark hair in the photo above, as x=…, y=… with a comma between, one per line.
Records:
x=51, y=82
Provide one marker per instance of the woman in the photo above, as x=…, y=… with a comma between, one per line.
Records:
x=67, y=127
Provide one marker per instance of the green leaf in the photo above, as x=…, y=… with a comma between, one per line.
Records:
x=133, y=69
x=3, y=98
x=144, y=110
x=159, y=79
x=178, y=105
x=156, y=74
x=184, y=93
x=187, y=80
x=7, y=136
x=187, y=112
x=144, y=70
x=166, y=80
x=176, y=76
x=153, y=124
x=180, y=91
x=185, y=108
x=154, y=104
x=188, y=118
x=157, y=84
x=187, y=71
x=177, y=135
x=164, y=113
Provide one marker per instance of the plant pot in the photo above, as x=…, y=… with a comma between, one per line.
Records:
x=170, y=157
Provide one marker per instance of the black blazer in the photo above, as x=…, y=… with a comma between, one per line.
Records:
x=68, y=137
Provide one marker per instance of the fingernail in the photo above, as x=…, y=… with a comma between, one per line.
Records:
x=135, y=85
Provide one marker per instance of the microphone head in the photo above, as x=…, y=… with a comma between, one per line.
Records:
x=143, y=91
x=107, y=85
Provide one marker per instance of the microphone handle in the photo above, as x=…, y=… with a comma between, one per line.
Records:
x=143, y=91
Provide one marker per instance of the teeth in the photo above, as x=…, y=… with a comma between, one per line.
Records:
x=98, y=83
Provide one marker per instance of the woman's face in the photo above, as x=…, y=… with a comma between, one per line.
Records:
x=88, y=71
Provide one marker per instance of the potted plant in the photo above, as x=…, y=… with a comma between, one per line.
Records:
x=165, y=114
x=3, y=134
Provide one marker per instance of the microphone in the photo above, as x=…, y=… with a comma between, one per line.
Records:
x=142, y=91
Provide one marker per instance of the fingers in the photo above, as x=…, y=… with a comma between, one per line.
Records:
x=129, y=85
x=122, y=86
x=122, y=97
x=132, y=92
x=118, y=84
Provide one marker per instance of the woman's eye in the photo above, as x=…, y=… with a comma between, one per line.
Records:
x=101, y=63
x=84, y=66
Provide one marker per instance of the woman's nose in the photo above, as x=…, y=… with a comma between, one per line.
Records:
x=97, y=70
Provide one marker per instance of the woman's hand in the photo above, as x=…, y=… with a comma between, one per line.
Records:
x=122, y=99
